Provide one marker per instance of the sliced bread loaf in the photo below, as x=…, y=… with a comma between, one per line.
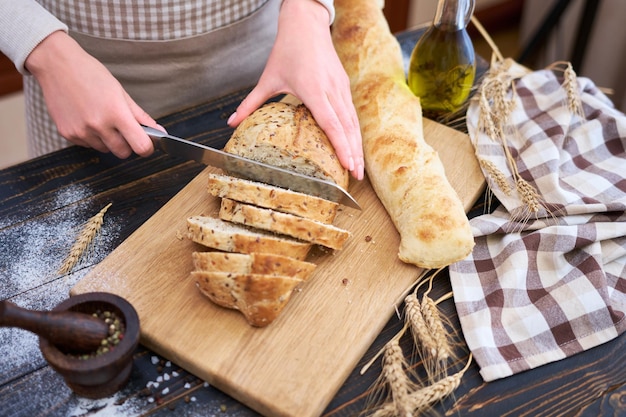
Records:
x=273, y=221
x=287, y=136
x=252, y=263
x=269, y=196
x=260, y=298
x=217, y=234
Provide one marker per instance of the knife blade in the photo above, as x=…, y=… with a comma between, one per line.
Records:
x=250, y=169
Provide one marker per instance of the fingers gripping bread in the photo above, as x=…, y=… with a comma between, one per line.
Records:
x=287, y=136
x=406, y=173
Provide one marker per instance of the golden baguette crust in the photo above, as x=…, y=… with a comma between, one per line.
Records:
x=287, y=136
x=252, y=263
x=283, y=223
x=406, y=173
x=269, y=196
x=260, y=298
x=218, y=234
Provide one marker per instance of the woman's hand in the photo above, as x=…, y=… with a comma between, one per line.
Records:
x=88, y=105
x=303, y=62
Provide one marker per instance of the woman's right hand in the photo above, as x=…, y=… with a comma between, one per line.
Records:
x=89, y=106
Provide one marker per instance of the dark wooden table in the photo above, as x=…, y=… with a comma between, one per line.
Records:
x=45, y=201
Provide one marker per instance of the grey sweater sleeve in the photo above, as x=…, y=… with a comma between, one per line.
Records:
x=23, y=25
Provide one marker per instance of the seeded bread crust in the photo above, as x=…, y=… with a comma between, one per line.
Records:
x=269, y=196
x=253, y=263
x=260, y=298
x=218, y=234
x=273, y=221
x=287, y=136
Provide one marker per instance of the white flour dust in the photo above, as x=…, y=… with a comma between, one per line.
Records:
x=35, y=249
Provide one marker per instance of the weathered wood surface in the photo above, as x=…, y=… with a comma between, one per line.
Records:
x=45, y=201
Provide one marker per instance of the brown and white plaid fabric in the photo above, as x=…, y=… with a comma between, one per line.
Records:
x=537, y=291
x=149, y=19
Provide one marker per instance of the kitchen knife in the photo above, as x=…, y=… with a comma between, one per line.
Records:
x=250, y=169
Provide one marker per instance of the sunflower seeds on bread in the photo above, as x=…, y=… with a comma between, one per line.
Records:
x=217, y=234
x=260, y=298
x=252, y=263
x=283, y=223
x=272, y=197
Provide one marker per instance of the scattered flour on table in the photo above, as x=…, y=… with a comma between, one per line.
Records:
x=35, y=249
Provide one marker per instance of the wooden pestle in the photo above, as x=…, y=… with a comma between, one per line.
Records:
x=70, y=331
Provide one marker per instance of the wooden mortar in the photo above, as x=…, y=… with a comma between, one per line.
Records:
x=102, y=375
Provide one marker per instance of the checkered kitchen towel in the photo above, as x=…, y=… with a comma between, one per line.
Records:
x=544, y=285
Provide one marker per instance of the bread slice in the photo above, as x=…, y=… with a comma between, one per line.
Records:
x=269, y=196
x=253, y=263
x=287, y=136
x=260, y=298
x=217, y=234
x=298, y=227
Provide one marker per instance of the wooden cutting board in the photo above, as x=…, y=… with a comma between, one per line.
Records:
x=296, y=365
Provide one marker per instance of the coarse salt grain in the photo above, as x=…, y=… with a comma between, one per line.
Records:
x=187, y=385
x=154, y=360
x=165, y=391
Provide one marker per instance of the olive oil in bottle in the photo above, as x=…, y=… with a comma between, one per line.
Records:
x=443, y=65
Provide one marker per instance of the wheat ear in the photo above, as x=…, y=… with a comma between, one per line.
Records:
x=394, y=372
x=425, y=397
x=422, y=338
x=437, y=330
x=497, y=176
x=83, y=240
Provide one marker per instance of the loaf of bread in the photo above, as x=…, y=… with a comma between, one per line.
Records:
x=272, y=197
x=287, y=224
x=265, y=232
x=217, y=234
x=252, y=263
x=406, y=173
x=260, y=298
x=287, y=136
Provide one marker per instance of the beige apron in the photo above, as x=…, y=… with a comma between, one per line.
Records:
x=167, y=76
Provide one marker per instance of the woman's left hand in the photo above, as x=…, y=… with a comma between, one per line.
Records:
x=303, y=62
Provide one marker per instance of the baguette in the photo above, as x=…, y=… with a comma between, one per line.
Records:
x=406, y=173
x=272, y=197
x=253, y=263
x=287, y=136
x=283, y=223
x=217, y=234
x=260, y=298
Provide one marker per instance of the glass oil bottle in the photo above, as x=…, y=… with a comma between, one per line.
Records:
x=443, y=65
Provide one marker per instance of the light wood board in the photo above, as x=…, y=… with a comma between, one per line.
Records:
x=296, y=365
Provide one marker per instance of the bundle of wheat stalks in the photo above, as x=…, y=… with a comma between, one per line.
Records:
x=399, y=391
x=496, y=97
